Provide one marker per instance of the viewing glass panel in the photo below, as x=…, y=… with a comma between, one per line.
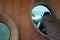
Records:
x=37, y=13
x=4, y=31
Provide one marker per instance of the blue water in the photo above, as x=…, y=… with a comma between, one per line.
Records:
x=4, y=32
x=39, y=10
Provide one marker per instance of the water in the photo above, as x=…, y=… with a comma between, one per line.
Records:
x=4, y=32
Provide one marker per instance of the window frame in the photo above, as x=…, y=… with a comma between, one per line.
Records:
x=43, y=4
x=9, y=21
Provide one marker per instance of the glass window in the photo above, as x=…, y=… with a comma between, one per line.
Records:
x=4, y=31
x=37, y=13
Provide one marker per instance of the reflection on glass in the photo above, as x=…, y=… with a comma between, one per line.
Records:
x=37, y=13
x=4, y=32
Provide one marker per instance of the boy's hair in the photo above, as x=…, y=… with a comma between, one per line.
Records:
x=46, y=13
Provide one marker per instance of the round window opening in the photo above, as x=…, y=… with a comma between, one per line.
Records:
x=37, y=13
x=8, y=27
x=4, y=31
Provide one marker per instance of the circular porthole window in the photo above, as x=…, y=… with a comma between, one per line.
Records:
x=8, y=27
x=37, y=13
